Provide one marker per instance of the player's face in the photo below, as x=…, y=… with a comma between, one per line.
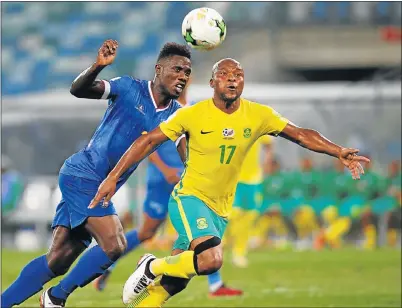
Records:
x=175, y=73
x=228, y=80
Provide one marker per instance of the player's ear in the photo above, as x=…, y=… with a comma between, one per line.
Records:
x=211, y=83
x=158, y=69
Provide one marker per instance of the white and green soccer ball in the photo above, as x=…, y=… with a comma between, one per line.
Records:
x=204, y=29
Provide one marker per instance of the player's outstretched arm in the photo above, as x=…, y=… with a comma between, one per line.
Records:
x=314, y=141
x=85, y=85
x=141, y=148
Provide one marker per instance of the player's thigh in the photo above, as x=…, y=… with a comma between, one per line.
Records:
x=73, y=211
x=194, y=221
x=109, y=234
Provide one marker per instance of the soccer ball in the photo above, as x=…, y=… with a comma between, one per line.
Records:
x=203, y=29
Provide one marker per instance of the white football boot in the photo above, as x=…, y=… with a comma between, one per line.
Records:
x=46, y=302
x=139, y=280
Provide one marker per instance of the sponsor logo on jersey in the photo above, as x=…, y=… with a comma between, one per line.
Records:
x=203, y=132
x=228, y=133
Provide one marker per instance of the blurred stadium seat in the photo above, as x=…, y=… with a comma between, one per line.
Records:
x=54, y=40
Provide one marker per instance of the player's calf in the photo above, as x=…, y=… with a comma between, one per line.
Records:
x=173, y=285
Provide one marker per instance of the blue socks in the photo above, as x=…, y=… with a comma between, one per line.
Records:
x=214, y=281
x=91, y=265
x=30, y=281
x=132, y=241
x=35, y=274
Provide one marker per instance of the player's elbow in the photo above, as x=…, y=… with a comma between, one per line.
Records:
x=74, y=91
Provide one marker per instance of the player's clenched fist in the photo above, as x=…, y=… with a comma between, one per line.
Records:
x=107, y=52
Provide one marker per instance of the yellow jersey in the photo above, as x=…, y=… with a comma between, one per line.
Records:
x=251, y=171
x=217, y=144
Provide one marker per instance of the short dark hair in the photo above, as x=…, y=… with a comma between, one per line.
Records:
x=174, y=49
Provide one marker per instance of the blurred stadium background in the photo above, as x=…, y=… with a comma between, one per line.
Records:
x=331, y=66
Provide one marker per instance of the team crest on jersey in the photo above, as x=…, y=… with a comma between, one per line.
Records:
x=228, y=133
x=202, y=223
x=247, y=133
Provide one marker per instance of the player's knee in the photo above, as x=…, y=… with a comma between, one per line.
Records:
x=59, y=261
x=209, y=261
x=208, y=256
x=115, y=247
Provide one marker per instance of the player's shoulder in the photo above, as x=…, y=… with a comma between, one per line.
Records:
x=197, y=106
x=256, y=107
x=127, y=81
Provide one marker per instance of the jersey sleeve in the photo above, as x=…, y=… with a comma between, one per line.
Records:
x=265, y=139
x=117, y=86
x=177, y=124
x=272, y=123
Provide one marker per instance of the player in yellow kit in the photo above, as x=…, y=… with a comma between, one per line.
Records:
x=248, y=199
x=219, y=132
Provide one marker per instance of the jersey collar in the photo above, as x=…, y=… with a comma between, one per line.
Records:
x=153, y=100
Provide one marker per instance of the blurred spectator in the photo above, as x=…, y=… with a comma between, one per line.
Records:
x=12, y=186
x=389, y=204
x=394, y=178
x=305, y=184
x=272, y=220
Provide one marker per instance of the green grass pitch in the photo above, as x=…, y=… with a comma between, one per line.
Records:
x=343, y=278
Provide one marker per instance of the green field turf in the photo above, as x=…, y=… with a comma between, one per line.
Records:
x=345, y=278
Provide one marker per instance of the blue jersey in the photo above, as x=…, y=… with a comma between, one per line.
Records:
x=131, y=111
x=169, y=155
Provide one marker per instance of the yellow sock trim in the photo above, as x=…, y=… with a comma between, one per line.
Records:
x=181, y=265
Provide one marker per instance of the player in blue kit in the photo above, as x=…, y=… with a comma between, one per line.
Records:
x=135, y=107
x=164, y=170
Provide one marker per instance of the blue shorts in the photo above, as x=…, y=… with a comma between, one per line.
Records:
x=72, y=211
x=157, y=199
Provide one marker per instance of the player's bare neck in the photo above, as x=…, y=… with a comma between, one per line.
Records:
x=161, y=99
x=228, y=107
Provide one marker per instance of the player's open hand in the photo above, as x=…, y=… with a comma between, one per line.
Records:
x=107, y=52
x=172, y=175
x=352, y=161
x=105, y=192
